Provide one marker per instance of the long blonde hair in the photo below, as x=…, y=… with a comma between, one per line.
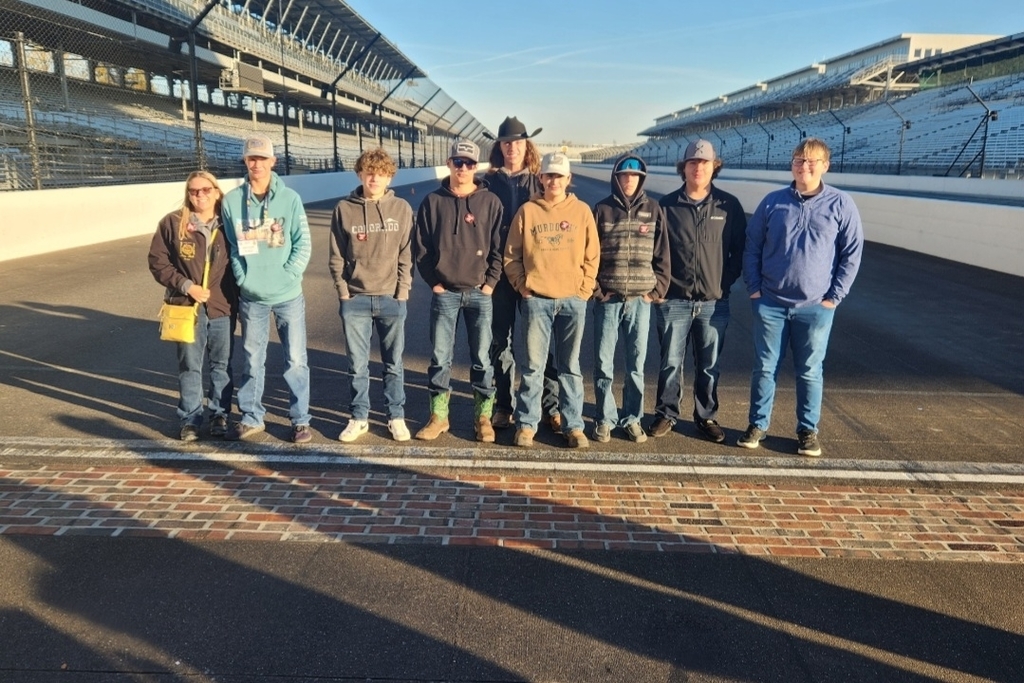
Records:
x=186, y=205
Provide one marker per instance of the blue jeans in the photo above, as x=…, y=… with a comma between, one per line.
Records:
x=360, y=315
x=701, y=325
x=633, y=319
x=805, y=330
x=560, y=321
x=505, y=305
x=476, y=309
x=290, y=320
x=213, y=344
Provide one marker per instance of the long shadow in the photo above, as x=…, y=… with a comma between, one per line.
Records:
x=421, y=612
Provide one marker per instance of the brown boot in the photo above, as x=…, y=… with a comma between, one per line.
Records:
x=435, y=427
x=482, y=408
x=484, y=430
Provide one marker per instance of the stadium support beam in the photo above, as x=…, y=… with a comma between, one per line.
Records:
x=380, y=105
x=333, y=87
x=194, y=77
x=768, y=150
x=846, y=129
x=412, y=123
x=904, y=126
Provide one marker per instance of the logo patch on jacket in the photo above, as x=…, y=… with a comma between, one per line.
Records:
x=564, y=225
x=643, y=214
x=470, y=218
x=187, y=250
x=644, y=229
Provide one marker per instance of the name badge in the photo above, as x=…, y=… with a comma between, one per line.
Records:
x=248, y=247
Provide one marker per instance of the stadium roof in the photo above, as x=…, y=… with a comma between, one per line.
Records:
x=337, y=15
x=959, y=57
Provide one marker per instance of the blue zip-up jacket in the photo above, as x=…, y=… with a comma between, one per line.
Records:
x=269, y=241
x=799, y=251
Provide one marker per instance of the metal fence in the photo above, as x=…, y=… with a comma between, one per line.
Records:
x=78, y=107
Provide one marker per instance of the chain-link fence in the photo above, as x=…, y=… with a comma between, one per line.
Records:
x=90, y=98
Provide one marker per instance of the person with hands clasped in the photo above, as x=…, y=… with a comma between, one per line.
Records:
x=184, y=242
x=551, y=258
x=371, y=264
x=634, y=271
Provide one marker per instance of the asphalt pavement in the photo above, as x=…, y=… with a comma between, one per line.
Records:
x=924, y=386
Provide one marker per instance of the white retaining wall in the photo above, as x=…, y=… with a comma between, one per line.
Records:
x=985, y=235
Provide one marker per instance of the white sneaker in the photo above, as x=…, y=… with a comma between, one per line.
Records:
x=353, y=430
x=398, y=429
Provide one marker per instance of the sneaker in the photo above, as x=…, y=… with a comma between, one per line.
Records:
x=751, y=438
x=660, y=427
x=635, y=432
x=524, y=437
x=602, y=433
x=711, y=430
x=353, y=430
x=219, y=426
x=577, y=439
x=242, y=431
x=302, y=434
x=552, y=421
x=188, y=433
x=399, y=432
x=808, y=440
x=502, y=420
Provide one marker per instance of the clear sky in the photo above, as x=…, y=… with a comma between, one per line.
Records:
x=600, y=71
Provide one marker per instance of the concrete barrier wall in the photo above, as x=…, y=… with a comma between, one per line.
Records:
x=986, y=235
x=979, y=234
x=38, y=222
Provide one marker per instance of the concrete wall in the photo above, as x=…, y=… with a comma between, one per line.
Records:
x=986, y=235
x=38, y=222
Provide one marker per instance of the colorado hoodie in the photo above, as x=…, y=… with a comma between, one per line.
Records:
x=634, y=242
x=552, y=249
x=457, y=243
x=371, y=246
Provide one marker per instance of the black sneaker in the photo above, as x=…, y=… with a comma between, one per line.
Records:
x=189, y=432
x=302, y=434
x=711, y=430
x=660, y=427
x=219, y=426
x=809, y=445
x=751, y=438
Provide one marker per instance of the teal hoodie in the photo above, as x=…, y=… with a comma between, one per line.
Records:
x=269, y=241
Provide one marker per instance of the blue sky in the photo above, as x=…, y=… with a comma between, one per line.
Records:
x=598, y=71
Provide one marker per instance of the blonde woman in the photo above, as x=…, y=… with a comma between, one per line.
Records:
x=177, y=258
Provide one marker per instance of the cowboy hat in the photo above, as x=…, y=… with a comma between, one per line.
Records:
x=513, y=129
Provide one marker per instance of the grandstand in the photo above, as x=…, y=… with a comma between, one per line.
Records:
x=107, y=91
x=916, y=104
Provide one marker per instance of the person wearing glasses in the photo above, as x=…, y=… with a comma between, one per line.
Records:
x=515, y=162
x=371, y=264
x=551, y=259
x=267, y=230
x=803, y=251
x=706, y=230
x=185, y=240
x=457, y=247
x=634, y=272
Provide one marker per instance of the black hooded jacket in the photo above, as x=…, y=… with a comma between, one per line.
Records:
x=634, y=242
x=457, y=240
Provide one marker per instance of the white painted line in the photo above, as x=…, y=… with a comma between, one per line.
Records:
x=420, y=458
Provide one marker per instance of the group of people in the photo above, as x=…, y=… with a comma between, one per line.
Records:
x=515, y=243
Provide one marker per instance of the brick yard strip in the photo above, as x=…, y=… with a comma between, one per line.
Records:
x=522, y=510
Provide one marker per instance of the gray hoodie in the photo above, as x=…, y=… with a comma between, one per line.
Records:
x=371, y=246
